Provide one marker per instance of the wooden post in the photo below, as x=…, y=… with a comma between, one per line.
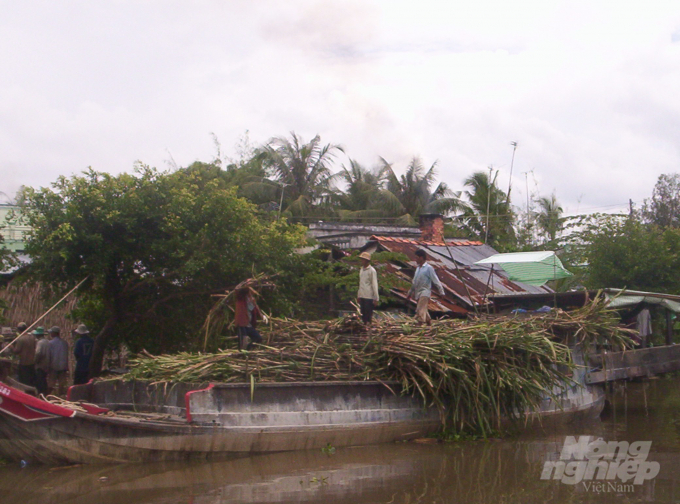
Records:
x=669, y=328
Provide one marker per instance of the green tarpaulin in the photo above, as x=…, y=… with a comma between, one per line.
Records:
x=533, y=268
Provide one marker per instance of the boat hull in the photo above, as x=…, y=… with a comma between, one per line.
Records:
x=142, y=422
x=224, y=421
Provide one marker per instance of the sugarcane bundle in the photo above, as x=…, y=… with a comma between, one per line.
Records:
x=220, y=315
x=475, y=371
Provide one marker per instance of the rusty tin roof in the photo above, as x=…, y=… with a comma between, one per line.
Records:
x=454, y=263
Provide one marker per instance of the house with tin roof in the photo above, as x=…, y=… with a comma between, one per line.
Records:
x=468, y=287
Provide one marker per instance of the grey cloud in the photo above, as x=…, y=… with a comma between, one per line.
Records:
x=105, y=84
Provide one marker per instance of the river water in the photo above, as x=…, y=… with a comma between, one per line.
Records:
x=492, y=471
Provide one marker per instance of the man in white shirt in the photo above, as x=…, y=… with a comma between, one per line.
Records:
x=421, y=289
x=368, y=288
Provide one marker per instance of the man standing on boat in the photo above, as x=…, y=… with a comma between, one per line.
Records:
x=82, y=353
x=42, y=361
x=421, y=289
x=21, y=327
x=368, y=288
x=24, y=347
x=58, y=363
x=247, y=313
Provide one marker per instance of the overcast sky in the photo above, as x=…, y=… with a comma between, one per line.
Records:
x=589, y=90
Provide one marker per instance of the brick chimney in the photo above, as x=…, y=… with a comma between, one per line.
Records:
x=432, y=227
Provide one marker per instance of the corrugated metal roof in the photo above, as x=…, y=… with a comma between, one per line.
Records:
x=436, y=304
x=450, y=243
x=455, y=267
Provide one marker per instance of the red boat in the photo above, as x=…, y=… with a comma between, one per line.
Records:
x=117, y=421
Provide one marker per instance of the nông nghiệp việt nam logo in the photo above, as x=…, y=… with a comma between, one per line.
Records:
x=587, y=459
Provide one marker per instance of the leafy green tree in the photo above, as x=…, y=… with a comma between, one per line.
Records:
x=8, y=259
x=634, y=255
x=413, y=193
x=487, y=213
x=154, y=246
x=249, y=176
x=663, y=209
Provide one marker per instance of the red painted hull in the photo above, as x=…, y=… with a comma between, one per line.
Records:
x=150, y=423
x=25, y=407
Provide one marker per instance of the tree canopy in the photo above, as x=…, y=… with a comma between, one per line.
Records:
x=149, y=241
x=663, y=208
x=156, y=245
x=635, y=256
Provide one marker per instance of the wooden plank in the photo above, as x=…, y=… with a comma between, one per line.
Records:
x=640, y=363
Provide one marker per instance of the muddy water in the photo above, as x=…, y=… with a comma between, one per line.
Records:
x=494, y=471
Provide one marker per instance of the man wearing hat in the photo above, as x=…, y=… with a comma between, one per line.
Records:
x=58, y=352
x=368, y=288
x=82, y=352
x=24, y=347
x=42, y=361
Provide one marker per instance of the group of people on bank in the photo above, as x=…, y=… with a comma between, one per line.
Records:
x=43, y=358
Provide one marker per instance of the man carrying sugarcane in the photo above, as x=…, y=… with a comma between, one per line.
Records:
x=246, y=314
x=368, y=288
x=421, y=288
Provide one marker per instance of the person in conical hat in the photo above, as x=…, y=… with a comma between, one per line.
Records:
x=82, y=352
x=367, y=296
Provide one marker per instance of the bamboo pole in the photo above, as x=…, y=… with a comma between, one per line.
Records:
x=45, y=314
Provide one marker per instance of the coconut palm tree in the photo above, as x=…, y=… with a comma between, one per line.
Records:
x=302, y=170
x=549, y=216
x=358, y=199
x=411, y=194
x=487, y=213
